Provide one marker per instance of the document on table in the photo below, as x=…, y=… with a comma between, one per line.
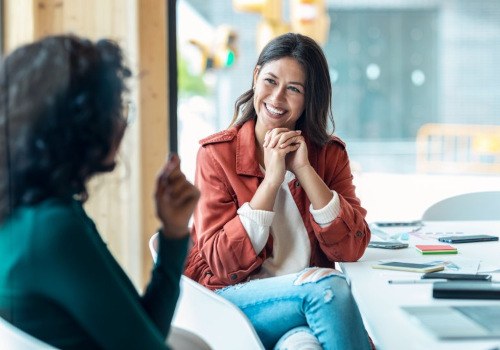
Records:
x=394, y=231
x=486, y=267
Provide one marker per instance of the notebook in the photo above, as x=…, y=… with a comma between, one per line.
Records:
x=436, y=249
x=459, y=321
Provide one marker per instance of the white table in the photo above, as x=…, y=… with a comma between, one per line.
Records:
x=380, y=303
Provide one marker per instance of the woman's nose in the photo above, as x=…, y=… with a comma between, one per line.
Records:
x=278, y=93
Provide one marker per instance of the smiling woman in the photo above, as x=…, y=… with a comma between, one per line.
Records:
x=278, y=207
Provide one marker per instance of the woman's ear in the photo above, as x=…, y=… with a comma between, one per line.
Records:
x=255, y=75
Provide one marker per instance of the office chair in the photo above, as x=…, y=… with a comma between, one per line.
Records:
x=12, y=337
x=182, y=339
x=467, y=207
x=219, y=322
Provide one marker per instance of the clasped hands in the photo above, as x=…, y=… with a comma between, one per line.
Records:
x=284, y=149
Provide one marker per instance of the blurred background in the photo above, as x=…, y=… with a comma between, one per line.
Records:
x=416, y=92
x=416, y=87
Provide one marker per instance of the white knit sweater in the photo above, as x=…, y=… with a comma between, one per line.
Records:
x=291, y=247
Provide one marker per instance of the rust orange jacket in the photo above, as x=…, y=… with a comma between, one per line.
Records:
x=228, y=174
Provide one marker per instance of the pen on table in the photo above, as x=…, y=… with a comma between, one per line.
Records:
x=430, y=280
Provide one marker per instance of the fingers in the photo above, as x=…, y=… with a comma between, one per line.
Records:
x=188, y=197
x=271, y=135
x=176, y=186
x=171, y=169
x=281, y=137
x=171, y=181
x=295, y=140
x=181, y=191
x=291, y=148
x=172, y=165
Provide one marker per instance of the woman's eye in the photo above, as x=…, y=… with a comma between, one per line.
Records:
x=294, y=89
x=270, y=81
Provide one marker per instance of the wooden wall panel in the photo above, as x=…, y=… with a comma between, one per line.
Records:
x=18, y=23
x=154, y=104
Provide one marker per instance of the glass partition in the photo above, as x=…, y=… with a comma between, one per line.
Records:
x=416, y=90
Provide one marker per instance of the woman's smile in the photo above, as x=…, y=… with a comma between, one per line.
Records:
x=274, y=111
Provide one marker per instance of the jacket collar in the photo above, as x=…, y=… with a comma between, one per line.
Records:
x=246, y=151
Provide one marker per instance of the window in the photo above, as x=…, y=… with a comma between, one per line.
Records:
x=416, y=92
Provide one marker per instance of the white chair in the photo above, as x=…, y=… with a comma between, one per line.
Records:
x=219, y=322
x=12, y=338
x=181, y=339
x=467, y=206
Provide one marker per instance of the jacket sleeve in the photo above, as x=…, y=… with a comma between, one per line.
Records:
x=73, y=267
x=347, y=237
x=219, y=234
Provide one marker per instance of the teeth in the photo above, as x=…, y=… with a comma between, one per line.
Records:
x=274, y=110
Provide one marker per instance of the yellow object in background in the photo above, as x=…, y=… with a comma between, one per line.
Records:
x=307, y=17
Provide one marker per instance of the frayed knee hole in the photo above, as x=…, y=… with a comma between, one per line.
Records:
x=314, y=275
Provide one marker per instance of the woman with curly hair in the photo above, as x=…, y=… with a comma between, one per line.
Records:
x=61, y=122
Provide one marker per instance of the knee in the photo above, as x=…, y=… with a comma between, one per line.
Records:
x=300, y=338
x=326, y=282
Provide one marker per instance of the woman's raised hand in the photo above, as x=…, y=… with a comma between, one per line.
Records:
x=175, y=199
x=278, y=143
x=299, y=158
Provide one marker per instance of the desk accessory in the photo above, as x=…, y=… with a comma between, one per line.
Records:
x=436, y=249
x=404, y=266
x=456, y=276
x=468, y=239
x=413, y=281
x=466, y=290
x=387, y=245
x=398, y=223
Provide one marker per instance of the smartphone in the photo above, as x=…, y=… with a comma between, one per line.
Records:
x=457, y=276
x=398, y=223
x=404, y=266
x=387, y=245
x=468, y=239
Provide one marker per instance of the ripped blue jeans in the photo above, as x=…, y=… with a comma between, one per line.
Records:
x=318, y=298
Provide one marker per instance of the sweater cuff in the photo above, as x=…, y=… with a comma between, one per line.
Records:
x=256, y=223
x=260, y=217
x=325, y=216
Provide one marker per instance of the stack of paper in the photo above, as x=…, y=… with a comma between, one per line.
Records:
x=436, y=249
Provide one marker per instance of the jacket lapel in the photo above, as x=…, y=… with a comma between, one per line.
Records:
x=246, y=151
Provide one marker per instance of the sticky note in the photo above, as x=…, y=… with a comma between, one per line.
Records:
x=436, y=249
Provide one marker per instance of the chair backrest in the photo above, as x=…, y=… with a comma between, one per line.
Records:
x=13, y=338
x=467, y=206
x=219, y=322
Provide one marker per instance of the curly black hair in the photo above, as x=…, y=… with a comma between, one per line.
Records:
x=61, y=113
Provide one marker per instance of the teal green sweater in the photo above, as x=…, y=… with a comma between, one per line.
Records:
x=60, y=283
